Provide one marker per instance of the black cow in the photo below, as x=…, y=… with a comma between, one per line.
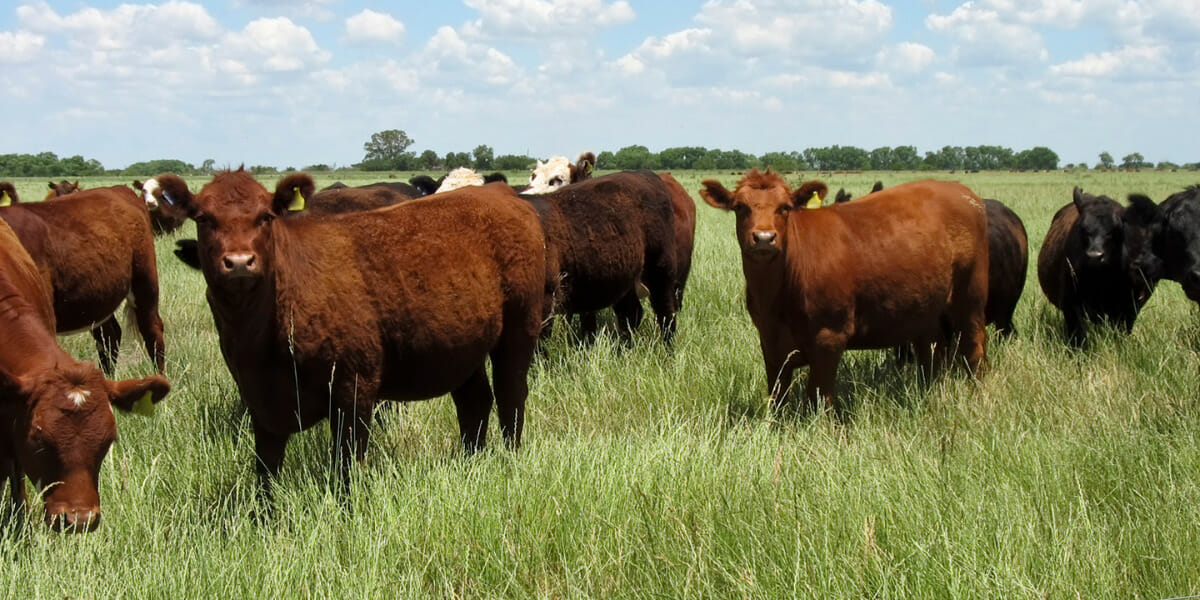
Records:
x=1174, y=251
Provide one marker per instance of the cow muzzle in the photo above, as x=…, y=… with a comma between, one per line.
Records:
x=239, y=264
x=73, y=519
x=764, y=242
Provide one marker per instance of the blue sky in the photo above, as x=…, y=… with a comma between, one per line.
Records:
x=299, y=82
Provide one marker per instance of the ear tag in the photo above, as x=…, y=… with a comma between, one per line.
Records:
x=167, y=197
x=5, y=199
x=814, y=202
x=297, y=201
x=144, y=406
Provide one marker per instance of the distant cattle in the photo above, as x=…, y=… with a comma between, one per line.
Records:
x=426, y=185
x=904, y=265
x=62, y=188
x=1087, y=266
x=95, y=249
x=1174, y=250
x=459, y=178
x=320, y=318
x=844, y=196
x=558, y=171
x=159, y=193
x=603, y=236
x=56, y=412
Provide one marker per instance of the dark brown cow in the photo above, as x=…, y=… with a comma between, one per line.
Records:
x=604, y=235
x=56, y=419
x=319, y=318
x=159, y=193
x=96, y=250
x=62, y=188
x=904, y=265
x=684, y=210
x=336, y=200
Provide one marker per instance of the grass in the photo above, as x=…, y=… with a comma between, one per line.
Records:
x=649, y=472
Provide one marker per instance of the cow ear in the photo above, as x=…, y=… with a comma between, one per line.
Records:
x=188, y=251
x=1141, y=212
x=716, y=195
x=877, y=187
x=292, y=193
x=137, y=185
x=810, y=195
x=842, y=196
x=174, y=191
x=8, y=194
x=1077, y=197
x=138, y=395
x=583, y=167
x=52, y=185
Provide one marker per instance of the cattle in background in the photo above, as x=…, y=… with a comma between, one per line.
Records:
x=56, y=412
x=1174, y=250
x=844, y=196
x=603, y=235
x=459, y=178
x=320, y=318
x=95, y=249
x=159, y=193
x=426, y=185
x=558, y=171
x=337, y=199
x=1088, y=264
x=61, y=188
x=906, y=265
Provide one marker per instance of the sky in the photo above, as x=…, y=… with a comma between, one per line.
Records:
x=291, y=83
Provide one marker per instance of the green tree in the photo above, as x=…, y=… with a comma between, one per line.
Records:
x=484, y=157
x=634, y=157
x=780, y=161
x=387, y=147
x=682, y=157
x=455, y=160
x=607, y=160
x=1106, y=160
x=514, y=162
x=1134, y=160
x=1036, y=158
x=151, y=168
x=429, y=160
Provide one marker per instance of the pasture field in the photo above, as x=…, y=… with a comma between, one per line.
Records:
x=649, y=472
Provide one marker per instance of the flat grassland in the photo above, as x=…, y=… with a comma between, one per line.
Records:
x=650, y=472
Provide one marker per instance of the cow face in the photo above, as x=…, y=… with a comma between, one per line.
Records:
x=1145, y=267
x=1175, y=234
x=549, y=176
x=1099, y=231
x=763, y=205
x=235, y=219
x=65, y=431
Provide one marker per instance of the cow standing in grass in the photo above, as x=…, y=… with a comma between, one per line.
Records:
x=95, y=249
x=905, y=265
x=320, y=318
x=56, y=418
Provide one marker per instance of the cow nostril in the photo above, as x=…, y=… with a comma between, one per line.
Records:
x=764, y=237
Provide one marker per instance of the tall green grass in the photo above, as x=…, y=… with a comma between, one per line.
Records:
x=652, y=472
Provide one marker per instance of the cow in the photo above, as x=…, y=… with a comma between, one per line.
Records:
x=159, y=193
x=320, y=318
x=61, y=188
x=684, y=220
x=459, y=178
x=1088, y=265
x=558, y=171
x=55, y=412
x=1174, y=248
x=904, y=265
x=95, y=249
x=603, y=236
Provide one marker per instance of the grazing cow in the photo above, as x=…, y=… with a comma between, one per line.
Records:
x=603, y=235
x=319, y=318
x=1008, y=263
x=1174, y=252
x=55, y=412
x=904, y=265
x=558, y=171
x=61, y=188
x=159, y=193
x=95, y=249
x=1088, y=264
x=684, y=212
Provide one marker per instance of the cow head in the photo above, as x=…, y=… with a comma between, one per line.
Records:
x=1145, y=267
x=763, y=205
x=62, y=432
x=1099, y=233
x=235, y=221
x=1175, y=237
x=62, y=188
x=549, y=176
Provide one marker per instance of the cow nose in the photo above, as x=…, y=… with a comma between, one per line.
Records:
x=763, y=238
x=1095, y=255
x=241, y=262
x=75, y=520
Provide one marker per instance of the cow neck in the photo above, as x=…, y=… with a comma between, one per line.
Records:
x=766, y=280
x=29, y=345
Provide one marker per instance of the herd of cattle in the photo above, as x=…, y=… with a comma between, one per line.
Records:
x=327, y=301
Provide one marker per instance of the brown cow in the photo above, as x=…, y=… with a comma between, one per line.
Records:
x=684, y=209
x=319, y=318
x=62, y=188
x=56, y=419
x=159, y=193
x=605, y=234
x=96, y=250
x=904, y=265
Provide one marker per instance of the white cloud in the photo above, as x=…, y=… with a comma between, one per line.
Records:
x=21, y=46
x=370, y=26
x=537, y=19
x=985, y=36
x=905, y=57
x=1124, y=61
x=805, y=27
x=277, y=43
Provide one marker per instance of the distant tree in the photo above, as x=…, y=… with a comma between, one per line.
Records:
x=1134, y=160
x=607, y=160
x=1166, y=165
x=387, y=146
x=682, y=157
x=263, y=170
x=47, y=164
x=429, y=160
x=455, y=160
x=987, y=158
x=207, y=167
x=484, y=157
x=1106, y=160
x=780, y=161
x=514, y=162
x=317, y=168
x=1036, y=158
x=151, y=168
x=634, y=157
x=905, y=158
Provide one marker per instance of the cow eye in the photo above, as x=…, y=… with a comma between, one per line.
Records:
x=785, y=209
x=204, y=220
x=556, y=181
x=264, y=218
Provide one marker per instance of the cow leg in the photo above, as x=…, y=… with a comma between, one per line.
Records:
x=780, y=362
x=144, y=302
x=972, y=347
x=822, y=376
x=269, y=449
x=510, y=371
x=588, y=327
x=350, y=431
x=629, y=315
x=108, y=343
x=473, y=399
x=661, y=284
x=1076, y=329
x=11, y=471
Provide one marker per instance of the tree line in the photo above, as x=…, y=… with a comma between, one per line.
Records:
x=389, y=151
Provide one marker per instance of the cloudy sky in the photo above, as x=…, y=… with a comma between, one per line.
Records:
x=299, y=82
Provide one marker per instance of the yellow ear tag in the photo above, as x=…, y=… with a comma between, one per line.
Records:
x=144, y=406
x=5, y=199
x=814, y=202
x=297, y=201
